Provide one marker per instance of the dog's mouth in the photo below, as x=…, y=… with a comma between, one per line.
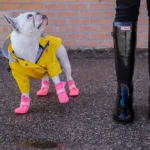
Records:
x=42, y=19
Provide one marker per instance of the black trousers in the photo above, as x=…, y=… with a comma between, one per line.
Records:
x=128, y=10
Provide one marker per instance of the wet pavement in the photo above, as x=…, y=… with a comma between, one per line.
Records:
x=85, y=123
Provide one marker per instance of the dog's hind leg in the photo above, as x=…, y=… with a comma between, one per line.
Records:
x=45, y=84
x=65, y=63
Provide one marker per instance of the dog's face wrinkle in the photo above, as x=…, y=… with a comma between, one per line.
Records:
x=38, y=27
x=31, y=15
x=33, y=21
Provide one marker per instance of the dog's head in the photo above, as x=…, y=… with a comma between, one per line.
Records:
x=29, y=23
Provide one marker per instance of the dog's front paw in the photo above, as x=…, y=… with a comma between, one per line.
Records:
x=22, y=110
x=24, y=106
x=63, y=97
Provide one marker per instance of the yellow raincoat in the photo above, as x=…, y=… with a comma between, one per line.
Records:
x=47, y=63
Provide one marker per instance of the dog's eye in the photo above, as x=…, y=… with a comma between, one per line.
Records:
x=30, y=15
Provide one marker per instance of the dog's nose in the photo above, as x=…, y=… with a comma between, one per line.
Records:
x=44, y=17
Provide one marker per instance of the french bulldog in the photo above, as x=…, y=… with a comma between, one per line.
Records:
x=33, y=54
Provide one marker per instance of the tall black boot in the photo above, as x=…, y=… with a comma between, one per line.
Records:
x=124, y=34
x=149, y=67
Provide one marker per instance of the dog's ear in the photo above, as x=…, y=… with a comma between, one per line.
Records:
x=12, y=23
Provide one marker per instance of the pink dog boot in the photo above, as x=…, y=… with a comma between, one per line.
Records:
x=24, y=106
x=44, y=89
x=74, y=91
x=61, y=92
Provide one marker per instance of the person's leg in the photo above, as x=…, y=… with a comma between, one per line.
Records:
x=148, y=8
x=127, y=10
x=124, y=35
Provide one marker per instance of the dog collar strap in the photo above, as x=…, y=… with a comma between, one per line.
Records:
x=43, y=42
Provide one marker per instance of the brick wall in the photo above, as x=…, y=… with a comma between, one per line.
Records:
x=81, y=23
